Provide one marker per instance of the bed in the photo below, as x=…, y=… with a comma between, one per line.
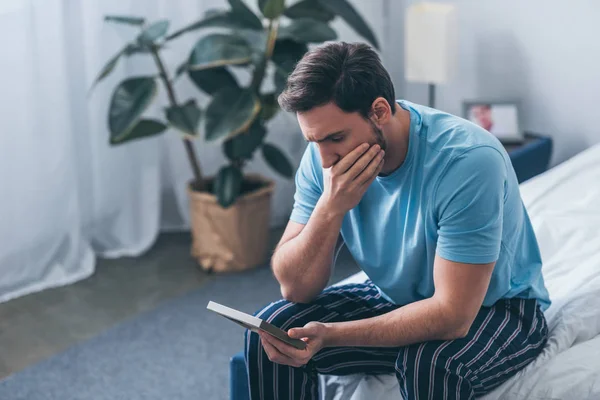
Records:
x=564, y=206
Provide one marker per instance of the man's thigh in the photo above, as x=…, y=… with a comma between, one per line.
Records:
x=335, y=304
x=503, y=340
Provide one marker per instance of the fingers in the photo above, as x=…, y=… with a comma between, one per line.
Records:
x=364, y=161
x=282, y=353
x=306, y=331
x=345, y=163
x=285, y=348
x=372, y=170
x=275, y=355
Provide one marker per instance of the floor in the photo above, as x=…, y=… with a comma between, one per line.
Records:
x=36, y=326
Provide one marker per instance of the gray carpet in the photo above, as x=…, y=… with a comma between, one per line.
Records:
x=179, y=350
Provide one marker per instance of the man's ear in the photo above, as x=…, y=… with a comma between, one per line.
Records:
x=381, y=111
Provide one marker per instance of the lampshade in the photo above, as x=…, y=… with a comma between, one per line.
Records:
x=430, y=42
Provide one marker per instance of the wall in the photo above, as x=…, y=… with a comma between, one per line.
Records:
x=545, y=53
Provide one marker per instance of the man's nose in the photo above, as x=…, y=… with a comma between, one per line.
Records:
x=328, y=159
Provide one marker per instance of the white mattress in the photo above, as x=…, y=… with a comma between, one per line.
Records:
x=564, y=206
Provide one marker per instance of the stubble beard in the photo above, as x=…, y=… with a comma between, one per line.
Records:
x=378, y=134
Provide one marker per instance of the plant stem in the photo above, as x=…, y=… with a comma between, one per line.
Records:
x=259, y=71
x=191, y=153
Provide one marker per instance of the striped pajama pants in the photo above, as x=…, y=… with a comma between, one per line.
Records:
x=503, y=339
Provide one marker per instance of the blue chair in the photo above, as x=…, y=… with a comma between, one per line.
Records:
x=238, y=383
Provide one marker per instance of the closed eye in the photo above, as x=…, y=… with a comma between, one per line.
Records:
x=336, y=139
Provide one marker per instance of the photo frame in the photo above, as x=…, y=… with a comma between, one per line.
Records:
x=502, y=118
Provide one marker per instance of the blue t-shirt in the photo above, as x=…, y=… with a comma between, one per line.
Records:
x=456, y=194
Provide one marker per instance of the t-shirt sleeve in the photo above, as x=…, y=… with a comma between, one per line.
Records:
x=469, y=202
x=308, y=188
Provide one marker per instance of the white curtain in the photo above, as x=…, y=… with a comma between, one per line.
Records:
x=67, y=196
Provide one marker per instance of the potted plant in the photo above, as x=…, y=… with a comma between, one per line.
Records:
x=229, y=212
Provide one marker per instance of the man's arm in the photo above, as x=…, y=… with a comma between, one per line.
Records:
x=460, y=290
x=302, y=261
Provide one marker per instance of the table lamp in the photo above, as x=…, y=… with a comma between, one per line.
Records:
x=430, y=43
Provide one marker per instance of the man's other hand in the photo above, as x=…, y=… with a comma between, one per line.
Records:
x=280, y=352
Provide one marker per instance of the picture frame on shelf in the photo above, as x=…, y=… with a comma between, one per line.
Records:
x=502, y=118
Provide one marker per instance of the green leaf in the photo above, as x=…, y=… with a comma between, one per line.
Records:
x=285, y=56
x=288, y=52
x=129, y=100
x=242, y=12
x=217, y=49
x=257, y=40
x=135, y=48
x=125, y=20
x=212, y=18
x=129, y=50
x=271, y=8
x=269, y=107
x=309, y=9
x=230, y=112
x=257, y=60
x=183, y=68
x=154, y=32
x=143, y=129
x=213, y=79
x=277, y=160
x=347, y=12
x=228, y=185
x=307, y=30
x=185, y=117
x=108, y=68
x=243, y=145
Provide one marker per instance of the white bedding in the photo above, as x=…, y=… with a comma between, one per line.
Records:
x=564, y=206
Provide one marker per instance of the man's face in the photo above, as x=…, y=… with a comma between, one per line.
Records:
x=338, y=133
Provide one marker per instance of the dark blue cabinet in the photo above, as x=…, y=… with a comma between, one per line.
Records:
x=532, y=157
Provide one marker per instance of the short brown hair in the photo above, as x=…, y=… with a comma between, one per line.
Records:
x=349, y=74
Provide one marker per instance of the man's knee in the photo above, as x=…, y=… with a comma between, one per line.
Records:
x=427, y=357
x=430, y=369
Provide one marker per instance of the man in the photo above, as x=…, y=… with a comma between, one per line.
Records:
x=429, y=206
